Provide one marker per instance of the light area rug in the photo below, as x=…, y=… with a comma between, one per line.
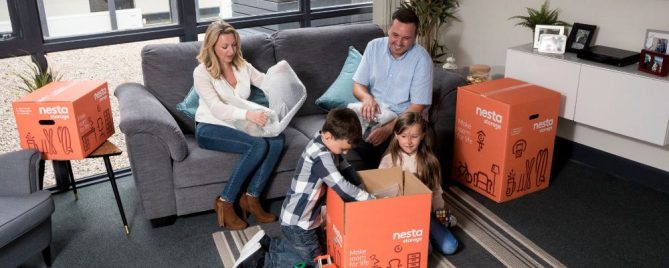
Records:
x=498, y=238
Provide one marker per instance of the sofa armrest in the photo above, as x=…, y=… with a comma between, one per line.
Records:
x=142, y=113
x=442, y=115
x=19, y=172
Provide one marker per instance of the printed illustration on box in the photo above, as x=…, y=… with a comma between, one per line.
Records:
x=65, y=120
x=386, y=232
x=504, y=136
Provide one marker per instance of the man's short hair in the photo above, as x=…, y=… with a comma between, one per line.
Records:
x=405, y=15
x=343, y=123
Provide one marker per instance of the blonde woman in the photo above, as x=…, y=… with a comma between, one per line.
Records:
x=223, y=74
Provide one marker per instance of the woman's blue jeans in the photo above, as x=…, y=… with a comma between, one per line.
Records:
x=259, y=156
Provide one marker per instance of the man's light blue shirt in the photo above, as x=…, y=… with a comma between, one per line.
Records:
x=396, y=82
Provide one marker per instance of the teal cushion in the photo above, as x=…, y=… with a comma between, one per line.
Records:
x=258, y=96
x=189, y=105
x=340, y=93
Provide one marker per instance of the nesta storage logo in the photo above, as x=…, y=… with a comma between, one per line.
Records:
x=543, y=126
x=491, y=118
x=55, y=112
x=411, y=236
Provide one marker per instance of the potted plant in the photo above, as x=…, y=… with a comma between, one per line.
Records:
x=35, y=77
x=543, y=16
x=432, y=14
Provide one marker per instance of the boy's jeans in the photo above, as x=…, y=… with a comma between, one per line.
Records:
x=259, y=156
x=298, y=245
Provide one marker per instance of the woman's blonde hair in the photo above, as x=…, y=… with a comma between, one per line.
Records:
x=207, y=55
x=427, y=164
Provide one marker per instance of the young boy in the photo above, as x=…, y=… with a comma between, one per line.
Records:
x=321, y=165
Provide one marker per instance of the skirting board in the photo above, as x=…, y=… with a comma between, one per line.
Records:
x=615, y=165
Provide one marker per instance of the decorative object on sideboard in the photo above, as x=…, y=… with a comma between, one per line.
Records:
x=478, y=73
x=540, y=30
x=543, y=16
x=654, y=63
x=450, y=64
x=433, y=14
x=656, y=41
x=552, y=43
x=580, y=37
x=609, y=55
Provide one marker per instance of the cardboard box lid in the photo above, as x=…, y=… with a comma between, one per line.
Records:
x=512, y=91
x=62, y=91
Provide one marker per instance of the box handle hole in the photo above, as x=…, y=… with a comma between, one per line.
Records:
x=47, y=122
x=534, y=116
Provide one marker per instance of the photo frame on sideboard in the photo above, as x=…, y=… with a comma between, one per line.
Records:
x=657, y=41
x=654, y=63
x=552, y=43
x=546, y=29
x=580, y=37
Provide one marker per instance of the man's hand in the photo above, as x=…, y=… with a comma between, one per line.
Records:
x=381, y=134
x=369, y=109
x=257, y=117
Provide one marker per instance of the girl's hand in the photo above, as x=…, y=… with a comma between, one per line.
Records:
x=257, y=117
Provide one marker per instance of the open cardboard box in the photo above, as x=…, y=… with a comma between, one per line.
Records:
x=386, y=232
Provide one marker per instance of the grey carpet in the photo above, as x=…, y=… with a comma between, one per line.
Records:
x=586, y=218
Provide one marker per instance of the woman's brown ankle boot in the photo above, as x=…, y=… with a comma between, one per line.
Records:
x=227, y=216
x=251, y=204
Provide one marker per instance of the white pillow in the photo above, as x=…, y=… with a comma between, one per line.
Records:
x=285, y=94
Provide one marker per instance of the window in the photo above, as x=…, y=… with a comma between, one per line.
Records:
x=321, y=3
x=6, y=31
x=74, y=18
x=213, y=9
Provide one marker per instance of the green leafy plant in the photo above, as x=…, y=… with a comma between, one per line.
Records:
x=543, y=16
x=433, y=14
x=35, y=77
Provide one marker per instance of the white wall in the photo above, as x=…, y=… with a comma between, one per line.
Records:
x=485, y=33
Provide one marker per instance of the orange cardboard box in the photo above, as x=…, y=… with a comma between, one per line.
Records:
x=387, y=232
x=65, y=120
x=504, y=136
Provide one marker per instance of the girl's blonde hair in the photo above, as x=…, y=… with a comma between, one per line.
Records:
x=207, y=55
x=428, y=169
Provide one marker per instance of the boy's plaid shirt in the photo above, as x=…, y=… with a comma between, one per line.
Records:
x=316, y=169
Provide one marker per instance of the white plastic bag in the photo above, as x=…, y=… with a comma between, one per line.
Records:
x=285, y=94
x=381, y=118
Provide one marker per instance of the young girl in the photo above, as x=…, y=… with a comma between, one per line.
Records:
x=410, y=150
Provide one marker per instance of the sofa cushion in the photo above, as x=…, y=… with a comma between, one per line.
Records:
x=318, y=54
x=21, y=213
x=168, y=70
x=204, y=166
x=340, y=93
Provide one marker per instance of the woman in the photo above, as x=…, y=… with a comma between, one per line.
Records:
x=223, y=74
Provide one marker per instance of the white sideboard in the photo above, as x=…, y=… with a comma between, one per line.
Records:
x=620, y=100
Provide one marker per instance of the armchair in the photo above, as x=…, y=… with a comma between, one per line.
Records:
x=25, y=211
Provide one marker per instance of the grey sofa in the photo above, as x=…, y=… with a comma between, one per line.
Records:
x=176, y=177
x=25, y=211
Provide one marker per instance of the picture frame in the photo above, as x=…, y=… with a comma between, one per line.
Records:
x=657, y=41
x=552, y=43
x=654, y=62
x=580, y=37
x=546, y=29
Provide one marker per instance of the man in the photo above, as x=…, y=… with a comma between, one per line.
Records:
x=395, y=72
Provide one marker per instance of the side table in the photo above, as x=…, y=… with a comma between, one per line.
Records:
x=105, y=150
